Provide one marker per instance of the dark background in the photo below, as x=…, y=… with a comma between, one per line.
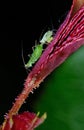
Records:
x=23, y=24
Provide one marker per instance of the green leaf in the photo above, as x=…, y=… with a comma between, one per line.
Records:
x=62, y=95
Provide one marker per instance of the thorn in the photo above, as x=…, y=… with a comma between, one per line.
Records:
x=32, y=92
x=6, y=116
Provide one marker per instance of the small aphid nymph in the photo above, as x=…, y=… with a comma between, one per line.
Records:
x=34, y=56
x=47, y=37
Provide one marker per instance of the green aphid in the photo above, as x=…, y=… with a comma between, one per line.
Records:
x=35, y=55
x=47, y=38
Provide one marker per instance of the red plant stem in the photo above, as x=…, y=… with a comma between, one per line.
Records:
x=63, y=44
x=21, y=98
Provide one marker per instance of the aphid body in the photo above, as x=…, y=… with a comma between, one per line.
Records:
x=34, y=56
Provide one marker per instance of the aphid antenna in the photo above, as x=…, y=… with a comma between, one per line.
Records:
x=22, y=55
x=22, y=52
x=42, y=32
x=63, y=16
x=35, y=42
x=52, y=26
x=51, y=23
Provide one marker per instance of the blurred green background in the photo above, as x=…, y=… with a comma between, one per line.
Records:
x=62, y=95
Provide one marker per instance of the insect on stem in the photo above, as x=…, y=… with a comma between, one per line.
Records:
x=38, y=49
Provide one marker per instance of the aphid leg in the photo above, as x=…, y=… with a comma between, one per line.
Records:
x=33, y=47
x=54, y=31
x=29, y=55
x=28, y=70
